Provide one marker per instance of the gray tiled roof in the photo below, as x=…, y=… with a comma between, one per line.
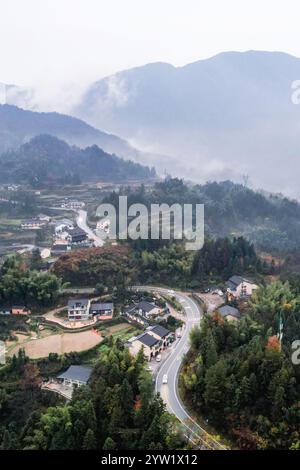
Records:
x=160, y=331
x=82, y=302
x=146, y=306
x=80, y=373
x=102, y=306
x=148, y=340
x=228, y=310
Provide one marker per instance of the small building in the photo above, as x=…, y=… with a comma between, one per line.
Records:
x=20, y=310
x=133, y=316
x=151, y=346
x=77, y=236
x=238, y=287
x=74, y=205
x=60, y=248
x=32, y=224
x=161, y=333
x=103, y=311
x=76, y=376
x=79, y=309
x=230, y=313
x=147, y=309
x=44, y=218
x=62, y=225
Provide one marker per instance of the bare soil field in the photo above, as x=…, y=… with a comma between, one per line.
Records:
x=60, y=344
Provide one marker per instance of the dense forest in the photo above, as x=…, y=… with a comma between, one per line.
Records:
x=170, y=264
x=270, y=221
x=20, y=285
x=117, y=410
x=241, y=372
x=46, y=160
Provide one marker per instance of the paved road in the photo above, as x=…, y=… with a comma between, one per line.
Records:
x=82, y=223
x=171, y=367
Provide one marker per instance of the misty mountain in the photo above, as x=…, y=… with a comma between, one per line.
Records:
x=18, y=126
x=224, y=117
x=46, y=160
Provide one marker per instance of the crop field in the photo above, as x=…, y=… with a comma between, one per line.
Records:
x=60, y=344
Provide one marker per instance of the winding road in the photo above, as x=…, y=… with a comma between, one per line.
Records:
x=171, y=367
x=81, y=220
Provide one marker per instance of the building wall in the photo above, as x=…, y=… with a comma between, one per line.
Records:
x=136, y=346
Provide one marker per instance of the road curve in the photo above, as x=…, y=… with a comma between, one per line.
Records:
x=171, y=368
x=81, y=220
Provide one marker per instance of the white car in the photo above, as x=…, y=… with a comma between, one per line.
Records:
x=158, y=358
x=165, y=379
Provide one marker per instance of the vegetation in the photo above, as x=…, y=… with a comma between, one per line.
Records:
x=20, y=285
x=116, y=411
x=269, y=221
x=223, y=257
x=46, y=160
x=240, y=371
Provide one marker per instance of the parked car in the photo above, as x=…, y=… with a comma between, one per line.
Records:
x=158, y=358
x=165, y=379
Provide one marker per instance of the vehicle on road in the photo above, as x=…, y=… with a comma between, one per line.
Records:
x=165, y=379
x=158, y=358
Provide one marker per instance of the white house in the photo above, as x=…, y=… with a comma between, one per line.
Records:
x=79, y=309
x=239, y=287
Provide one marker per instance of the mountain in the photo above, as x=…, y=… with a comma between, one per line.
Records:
x=18, y=126
x=47, y=160
x=224, y=117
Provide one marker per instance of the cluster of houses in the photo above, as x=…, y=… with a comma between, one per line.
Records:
x=36, y=223
x=15, y=310
x=152, y=341
x=142, y=311
x=84, y=309
x=237, y=288
x=66, y=236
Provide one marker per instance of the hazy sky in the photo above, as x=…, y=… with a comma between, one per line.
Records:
x=50, y=42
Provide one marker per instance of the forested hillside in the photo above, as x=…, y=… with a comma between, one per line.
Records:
x=46, y=160
x=118, y=410
x=239, y=371
x=270, y=221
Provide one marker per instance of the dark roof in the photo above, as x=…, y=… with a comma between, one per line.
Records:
x=234, y=281
x=76, y=232
x=148, y=340
x=146, y=306
x=60, y=247
x=102, y=306
x=80, y=373
x=160, y=331
x=228, y=310
x=83, y=302
x=130, y=309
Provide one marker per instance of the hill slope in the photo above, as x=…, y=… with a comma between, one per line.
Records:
x=46, y=160
x=18, y=126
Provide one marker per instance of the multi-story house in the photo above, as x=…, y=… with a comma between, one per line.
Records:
x=79, y=309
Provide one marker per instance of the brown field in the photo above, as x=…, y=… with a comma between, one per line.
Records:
x=60, y=344
x=119, y=327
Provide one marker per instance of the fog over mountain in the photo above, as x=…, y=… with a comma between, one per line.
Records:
x=18, y=126
x=224, y=117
